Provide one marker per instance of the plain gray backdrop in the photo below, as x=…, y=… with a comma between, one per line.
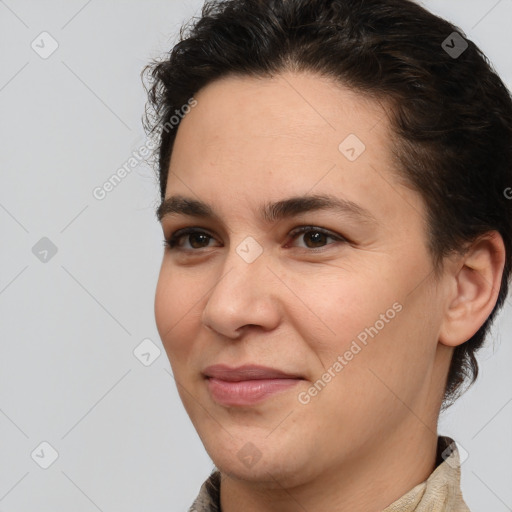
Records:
x=90, y=419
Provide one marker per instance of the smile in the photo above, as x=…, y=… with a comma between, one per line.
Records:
x=246, y=392
x=246, y=385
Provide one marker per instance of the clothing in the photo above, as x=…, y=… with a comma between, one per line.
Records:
x=439, y=493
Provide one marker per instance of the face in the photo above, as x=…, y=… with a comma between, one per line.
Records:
x=326, y=338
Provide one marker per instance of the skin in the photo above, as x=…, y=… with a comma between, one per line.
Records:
x=370, y=434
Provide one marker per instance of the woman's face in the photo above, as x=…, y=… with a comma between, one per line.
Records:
x=348, y=310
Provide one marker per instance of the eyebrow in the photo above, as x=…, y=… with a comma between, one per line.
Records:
x=269, y=212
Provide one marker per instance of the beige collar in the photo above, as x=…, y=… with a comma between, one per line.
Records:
x=441, y=491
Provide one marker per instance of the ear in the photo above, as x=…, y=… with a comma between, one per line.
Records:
x=474, y=282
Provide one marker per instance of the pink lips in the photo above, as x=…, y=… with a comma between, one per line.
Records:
x=246, y=385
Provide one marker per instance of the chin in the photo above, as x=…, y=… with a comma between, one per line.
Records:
x=260, y=460
x=264, y=473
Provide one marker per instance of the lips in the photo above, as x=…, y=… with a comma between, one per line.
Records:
x=246, y=372
x=246, y=385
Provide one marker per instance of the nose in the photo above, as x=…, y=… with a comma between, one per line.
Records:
x=245, y=294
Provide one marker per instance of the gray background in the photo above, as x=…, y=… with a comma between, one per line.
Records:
x=70, y=323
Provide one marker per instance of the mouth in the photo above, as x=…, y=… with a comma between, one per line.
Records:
x=248, y=384
x=246, y=372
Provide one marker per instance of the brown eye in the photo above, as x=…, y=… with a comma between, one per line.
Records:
x=314, y=237
x=196, y=238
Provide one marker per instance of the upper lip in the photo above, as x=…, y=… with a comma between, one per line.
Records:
x=246, y=372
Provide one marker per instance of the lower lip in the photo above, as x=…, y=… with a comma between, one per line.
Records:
x=247, y=392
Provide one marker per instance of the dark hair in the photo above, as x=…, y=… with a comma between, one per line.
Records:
x=451, y=115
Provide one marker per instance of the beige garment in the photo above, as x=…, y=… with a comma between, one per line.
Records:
x=439, y=493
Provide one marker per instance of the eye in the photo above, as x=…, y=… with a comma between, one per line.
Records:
x=314, y=238
x=196, y=237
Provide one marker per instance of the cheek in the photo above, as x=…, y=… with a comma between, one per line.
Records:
x=164, y=302
x=372, y=318
x=174, y=300
x=342, y=306
x=387, y=344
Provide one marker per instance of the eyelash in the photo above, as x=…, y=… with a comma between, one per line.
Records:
x=171, y=242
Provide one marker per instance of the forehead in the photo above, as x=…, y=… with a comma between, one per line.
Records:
x=250, y=139
x=303, y=107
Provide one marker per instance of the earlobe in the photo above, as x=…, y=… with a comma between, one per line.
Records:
x=476, y=285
